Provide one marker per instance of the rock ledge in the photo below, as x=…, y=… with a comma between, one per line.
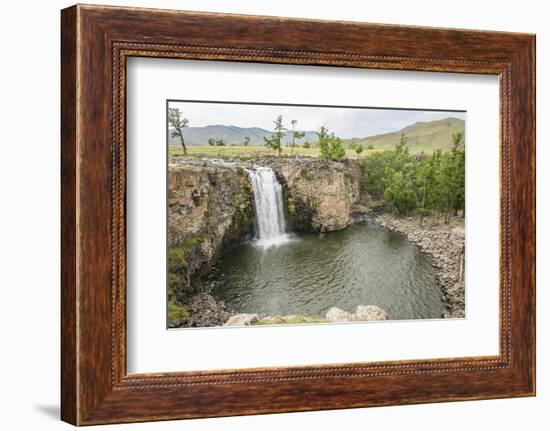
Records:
x=243, y=319
x=364, y=313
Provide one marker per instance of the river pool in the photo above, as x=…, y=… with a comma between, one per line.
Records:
x=307, y=274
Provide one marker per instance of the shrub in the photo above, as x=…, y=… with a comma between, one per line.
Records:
x=176, y=312
x=291, y=206
x=306, y=173
x=330, y=146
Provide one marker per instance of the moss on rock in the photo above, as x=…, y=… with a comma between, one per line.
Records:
x=176, y=312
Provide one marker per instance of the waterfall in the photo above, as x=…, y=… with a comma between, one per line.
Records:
x=268, y=206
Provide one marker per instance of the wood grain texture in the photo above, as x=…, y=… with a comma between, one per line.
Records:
x=69, y=397
x=96, y=41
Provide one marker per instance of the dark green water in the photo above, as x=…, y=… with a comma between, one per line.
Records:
x=363, y=264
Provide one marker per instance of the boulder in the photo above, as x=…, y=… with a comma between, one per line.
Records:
x=370, y=312
x=243, y=319
x=338, y=315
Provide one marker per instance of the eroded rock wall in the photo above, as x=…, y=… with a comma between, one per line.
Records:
x=320, y=197
x=209, y=207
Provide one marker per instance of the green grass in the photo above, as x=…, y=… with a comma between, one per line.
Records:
x=421, y=137
x=247, y=152
x=178, y=252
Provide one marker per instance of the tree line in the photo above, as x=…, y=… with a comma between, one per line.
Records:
x=275, y=141
x=421, y=183
x=330, y=146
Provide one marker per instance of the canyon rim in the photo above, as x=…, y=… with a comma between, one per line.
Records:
x=289, y=214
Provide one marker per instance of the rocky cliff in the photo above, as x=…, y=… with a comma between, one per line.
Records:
x=320, y=197
x=209, y=208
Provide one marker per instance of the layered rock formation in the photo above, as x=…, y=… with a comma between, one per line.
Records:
x=209, y=208
x=320, y=196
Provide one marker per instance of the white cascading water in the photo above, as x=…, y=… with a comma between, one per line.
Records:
x=268, y=206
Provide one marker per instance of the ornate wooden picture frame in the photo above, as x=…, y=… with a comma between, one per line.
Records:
x=96, y=41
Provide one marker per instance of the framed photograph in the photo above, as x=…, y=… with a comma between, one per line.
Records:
x=322, y=214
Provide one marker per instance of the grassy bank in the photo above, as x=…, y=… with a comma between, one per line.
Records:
x=248, y=152
x=257, y=151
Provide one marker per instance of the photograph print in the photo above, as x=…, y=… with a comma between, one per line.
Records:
x=284, y=214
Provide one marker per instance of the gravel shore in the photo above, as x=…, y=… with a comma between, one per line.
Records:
x=445, y=244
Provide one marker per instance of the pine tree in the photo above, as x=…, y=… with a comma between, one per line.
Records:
x=330, y=146
x=275, y=140
x=178, y=123
x=399, y=190
x=425, y=181
x=295, y=135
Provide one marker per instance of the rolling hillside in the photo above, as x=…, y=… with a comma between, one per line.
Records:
x=421, y=136
x=232, y=135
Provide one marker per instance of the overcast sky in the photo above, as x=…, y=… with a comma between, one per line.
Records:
x=344, y=122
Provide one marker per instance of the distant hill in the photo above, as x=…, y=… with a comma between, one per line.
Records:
x=232, y=135
x=421, y=136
